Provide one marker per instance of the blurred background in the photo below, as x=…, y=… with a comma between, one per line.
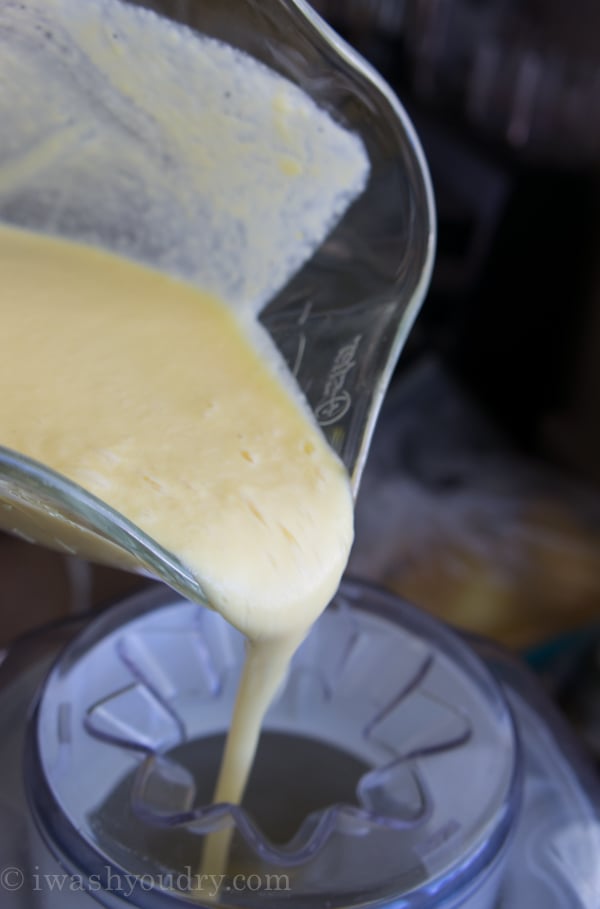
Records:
x=481, y=499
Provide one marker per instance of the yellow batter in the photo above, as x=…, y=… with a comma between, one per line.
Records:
x=149, y=394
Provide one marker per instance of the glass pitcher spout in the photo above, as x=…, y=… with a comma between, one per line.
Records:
x=338, y=296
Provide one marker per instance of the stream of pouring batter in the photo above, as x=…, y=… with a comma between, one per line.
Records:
x=151, y=395
x=167, y=402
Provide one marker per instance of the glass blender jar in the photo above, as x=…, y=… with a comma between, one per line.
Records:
x=123, y=139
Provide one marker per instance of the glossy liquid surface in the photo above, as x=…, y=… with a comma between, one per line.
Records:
x=155, y=398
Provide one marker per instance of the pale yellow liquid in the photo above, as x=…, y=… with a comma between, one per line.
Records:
x=151, y=395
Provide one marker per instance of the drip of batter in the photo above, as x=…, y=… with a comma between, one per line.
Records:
x=167, y=402
x=151, y=395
